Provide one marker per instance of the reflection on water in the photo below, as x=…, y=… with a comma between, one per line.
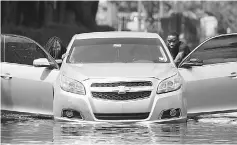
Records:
x=221, y=128
x=118, y=133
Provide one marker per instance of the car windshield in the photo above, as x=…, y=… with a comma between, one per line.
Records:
x=117, y=50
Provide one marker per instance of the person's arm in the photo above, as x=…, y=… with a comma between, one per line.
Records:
x=183, y=50
x=179, y=57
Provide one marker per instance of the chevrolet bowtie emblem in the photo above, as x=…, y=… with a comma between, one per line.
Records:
x=122, y=89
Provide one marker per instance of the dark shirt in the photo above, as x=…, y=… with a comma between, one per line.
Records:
x=181, y=47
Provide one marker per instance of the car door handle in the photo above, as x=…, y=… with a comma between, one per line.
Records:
x=233, y=75
x=6, y=76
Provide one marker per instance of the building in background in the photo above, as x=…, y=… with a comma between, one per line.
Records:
x=107, y=14
x=209, y=26
x=112, y=11
x=101, y=16
x=121, y=15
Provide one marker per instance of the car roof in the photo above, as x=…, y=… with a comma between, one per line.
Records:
x=116, y=34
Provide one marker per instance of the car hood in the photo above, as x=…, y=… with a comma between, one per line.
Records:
x=116, y=70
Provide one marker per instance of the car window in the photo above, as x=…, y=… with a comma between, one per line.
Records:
x=2, y=48
x=121, y=50
x=22, y=50
x=217, y=50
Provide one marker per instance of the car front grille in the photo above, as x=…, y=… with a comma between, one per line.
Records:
x=121, y=116
x=126, y=96
x=127, y=84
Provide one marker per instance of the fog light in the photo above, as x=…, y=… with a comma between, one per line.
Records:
x=173, y=112
x=170, y=113
x=69, y=113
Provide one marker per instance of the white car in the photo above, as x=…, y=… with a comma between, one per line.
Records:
x=32, y=81
x=119, y=77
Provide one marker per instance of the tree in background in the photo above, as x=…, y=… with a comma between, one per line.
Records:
x=226, y=13
x=65, y=18
x=184, y=17
x=49, y=18
x=39, y=13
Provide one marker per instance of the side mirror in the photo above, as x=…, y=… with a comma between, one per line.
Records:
x=41, y=62
x=192, y=62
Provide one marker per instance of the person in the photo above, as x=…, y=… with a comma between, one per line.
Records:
x=177, y=48
x=55, y=47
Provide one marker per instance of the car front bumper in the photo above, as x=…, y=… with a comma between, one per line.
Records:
x=87, y=107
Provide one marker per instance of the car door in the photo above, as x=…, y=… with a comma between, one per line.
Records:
x=4, y=77
x=212, y=87
x=27, y=88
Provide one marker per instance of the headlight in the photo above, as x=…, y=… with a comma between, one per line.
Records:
x=70, y=85
x=170, y=84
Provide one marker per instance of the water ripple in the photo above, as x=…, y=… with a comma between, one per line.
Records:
x=218, y=128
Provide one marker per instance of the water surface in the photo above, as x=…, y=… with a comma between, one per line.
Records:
x=209, y=129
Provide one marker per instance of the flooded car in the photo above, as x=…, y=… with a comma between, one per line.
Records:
x=108, y=88
x=210, y=74
x=119, y=77
x=26, y=87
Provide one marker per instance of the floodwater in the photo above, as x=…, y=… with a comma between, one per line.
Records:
x=209, y=129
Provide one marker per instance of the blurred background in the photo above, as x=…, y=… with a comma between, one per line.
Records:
x=193, y=20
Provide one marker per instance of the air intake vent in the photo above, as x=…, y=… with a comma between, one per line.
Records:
x=121, y=116
x=126, y=96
